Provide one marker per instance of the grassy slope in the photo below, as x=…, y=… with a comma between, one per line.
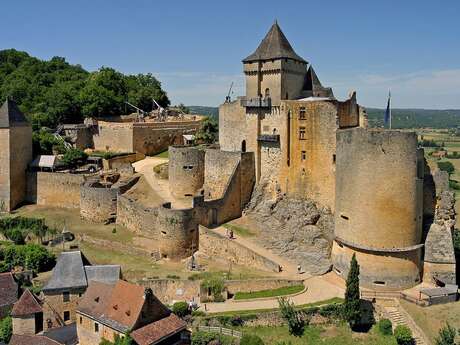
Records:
x=282, y=291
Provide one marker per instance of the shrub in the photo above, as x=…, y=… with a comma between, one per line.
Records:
x=114, y=231
x=6, y=329
x=30, y=256
x=216, y=286
x=446, y=166
x=203, y=338
x=330, y=311
x=74, y=157
x=251, y=339
x=172, y=276
x=293, y=318
x=180, y=309
x=403, y=335
x=198, y=313
x=385, y=327
x=446, y=335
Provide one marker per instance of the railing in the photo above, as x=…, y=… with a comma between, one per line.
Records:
x=257, y=102
x=272, y=138
x=220, y=330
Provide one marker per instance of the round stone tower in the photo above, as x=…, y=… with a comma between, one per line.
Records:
x=186, y=170
x=379, y=187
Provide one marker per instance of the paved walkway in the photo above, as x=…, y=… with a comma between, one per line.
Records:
x=160, y=186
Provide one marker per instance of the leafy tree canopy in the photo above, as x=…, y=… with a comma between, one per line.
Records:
x=54, y=91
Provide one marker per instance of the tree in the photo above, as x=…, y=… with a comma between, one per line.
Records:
x=73, y=157
x=403, y=335
x=251, y=339
x=446, y=335
x=352, y=310
x=208, y=131
x=293, y=317
x=385, y=327
x=6, y=329
x=126, y=340
x=180, y=309
x=446, y=166
x=142, y=88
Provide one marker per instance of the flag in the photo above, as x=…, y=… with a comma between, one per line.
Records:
x=387, y=119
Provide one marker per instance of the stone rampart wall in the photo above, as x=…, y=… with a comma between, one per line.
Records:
x=98, y=203
x=54, y=189
x=117, y=162
x=170, y=290
x=186, y=170
x=215, y=245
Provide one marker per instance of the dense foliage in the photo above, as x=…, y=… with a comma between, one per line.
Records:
x=351, y=309
x=16, y=229
x=6, y=329
x=180, y=308
x=403, y=335
x=446, y=335
x=446, y=166
x=74, y=157
x=205, y=338
x=215, y=286
x=209, y=131
x=385, y=327
x=127, y=340
x=293, y=317
x=54, y=91
x=30, y=256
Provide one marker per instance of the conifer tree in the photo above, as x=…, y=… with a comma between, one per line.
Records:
x=446, y=335
x=352, y=312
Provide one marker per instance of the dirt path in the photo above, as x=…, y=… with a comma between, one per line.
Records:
x=160, y=186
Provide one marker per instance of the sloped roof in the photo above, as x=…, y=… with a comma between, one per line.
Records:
x=8, y=289
x=274, y=46
x=28, y=304
x=312, y=80
x=119, y=306
x=66, y=335
x=158, y=330
x=44, y=161
x=73, y=271
x=68, y=272
x=10, y=115
x=103, y=273
x=32, y=340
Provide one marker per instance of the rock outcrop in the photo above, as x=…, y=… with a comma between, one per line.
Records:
x=298, y=230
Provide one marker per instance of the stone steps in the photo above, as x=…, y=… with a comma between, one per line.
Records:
x=397, y=319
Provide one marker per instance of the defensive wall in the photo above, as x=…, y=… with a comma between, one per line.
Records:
x=118, y=162
x=98, y=201
x=379, y=206
x=147, y=138
x=186, y=170
x=54, y=189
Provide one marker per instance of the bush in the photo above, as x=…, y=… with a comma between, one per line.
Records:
x=251, y=339
x=172, y=276
x=403, y=335
x=6, y=329
x=385, y=327
x=446, y=166
x=180, y=309
x=74, y=157
x=216, y=286
x=293, y=318
x=332, y=311
x=446, y=335
x=203, y=338
x=30, y=256
x=198, y=313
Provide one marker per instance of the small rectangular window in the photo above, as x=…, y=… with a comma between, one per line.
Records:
x=81, y=320
x=66, y=296
x=96, y=327
x=333, y=158
x=302, y=133
x=302, y=114
x=66, y=315
x=344, y=217
x=304, y=155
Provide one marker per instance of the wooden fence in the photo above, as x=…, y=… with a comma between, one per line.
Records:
x=221, y=330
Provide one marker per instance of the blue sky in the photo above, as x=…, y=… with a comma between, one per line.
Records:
x=195, y=47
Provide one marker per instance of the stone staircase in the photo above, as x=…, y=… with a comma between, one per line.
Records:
x=398, y=317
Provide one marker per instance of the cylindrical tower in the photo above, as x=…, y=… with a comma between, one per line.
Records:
x=379, y=205
x=186, y=170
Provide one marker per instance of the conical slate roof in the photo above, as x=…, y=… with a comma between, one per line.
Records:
x=10, y=115
x=274, y=46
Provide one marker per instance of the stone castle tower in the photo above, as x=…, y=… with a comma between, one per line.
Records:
x=275, y=71
x=15, y=155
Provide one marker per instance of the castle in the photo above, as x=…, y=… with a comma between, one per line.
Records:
x=287, y=136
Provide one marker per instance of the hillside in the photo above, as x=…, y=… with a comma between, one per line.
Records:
x=402, y=118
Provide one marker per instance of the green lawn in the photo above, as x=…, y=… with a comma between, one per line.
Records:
x=332, y=334
x=239, y=230
x=282, y=291
x=164, y=154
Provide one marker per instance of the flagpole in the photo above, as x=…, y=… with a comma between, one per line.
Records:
x=389, y=102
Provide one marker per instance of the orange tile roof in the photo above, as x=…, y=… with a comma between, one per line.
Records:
x=158, y=330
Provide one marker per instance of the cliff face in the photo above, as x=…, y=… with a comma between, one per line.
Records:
x=296, y=229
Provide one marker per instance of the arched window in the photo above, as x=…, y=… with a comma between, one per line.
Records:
x=267, y=93
x=243, y=146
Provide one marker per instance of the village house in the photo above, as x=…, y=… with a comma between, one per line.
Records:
x=68, y=283
x=8, y=293
x=110, y=310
